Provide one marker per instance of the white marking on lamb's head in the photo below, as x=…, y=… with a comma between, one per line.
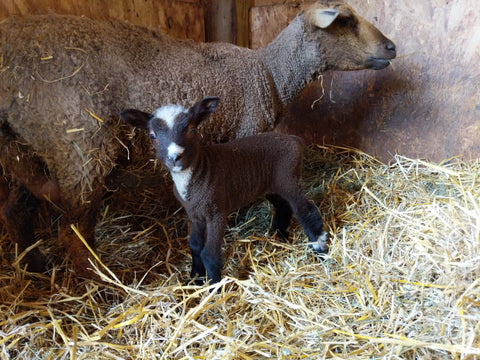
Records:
x=168, y=113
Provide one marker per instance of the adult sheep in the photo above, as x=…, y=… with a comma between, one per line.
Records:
x=64, y=79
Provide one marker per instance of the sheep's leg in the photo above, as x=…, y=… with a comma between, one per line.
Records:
x=212, y=251
x=282, y=216
x=309, y=218
x=84, y=219
x=19, y=208
x=196, y=243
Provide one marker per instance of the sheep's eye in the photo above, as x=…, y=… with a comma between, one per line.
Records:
x=152, y=135
x=191, y=130
x=346, y=20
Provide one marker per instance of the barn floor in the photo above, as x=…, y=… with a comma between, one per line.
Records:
x=401, y=281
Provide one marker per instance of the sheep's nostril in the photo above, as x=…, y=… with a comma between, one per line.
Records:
x=390, y=46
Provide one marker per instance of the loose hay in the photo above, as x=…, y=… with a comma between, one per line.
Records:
x=401, y=281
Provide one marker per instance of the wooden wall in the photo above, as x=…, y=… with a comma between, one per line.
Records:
x=179, y=18
x=426, y=105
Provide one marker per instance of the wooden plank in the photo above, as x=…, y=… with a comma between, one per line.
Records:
x=268, y=21
x=259, y=3
x=179, y=18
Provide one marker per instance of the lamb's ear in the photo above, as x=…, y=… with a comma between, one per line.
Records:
x=136, y=118
x=323, y=18
x=203, y=108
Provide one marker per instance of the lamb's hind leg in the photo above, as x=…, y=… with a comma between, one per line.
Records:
x=281, y=217
x=196, y=242
x=309, y=218
x=19, y=208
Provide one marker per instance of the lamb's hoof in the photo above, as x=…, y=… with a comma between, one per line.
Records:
x=320, y=245
x=196, y=280
x=278, y=234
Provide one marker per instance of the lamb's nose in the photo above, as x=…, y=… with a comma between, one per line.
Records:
x=174, y=158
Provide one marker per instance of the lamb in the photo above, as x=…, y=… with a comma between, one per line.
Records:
x=64, y=80
x=211, y=181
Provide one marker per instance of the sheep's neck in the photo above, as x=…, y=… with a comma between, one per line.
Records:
x=292, y=60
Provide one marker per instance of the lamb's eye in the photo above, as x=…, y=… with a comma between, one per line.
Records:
x=191, y=130
x=152, y=135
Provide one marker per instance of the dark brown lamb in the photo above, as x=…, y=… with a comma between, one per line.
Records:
x=64, y=79
x=211, y=181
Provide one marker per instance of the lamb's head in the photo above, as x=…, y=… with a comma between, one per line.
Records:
x=173, y=130
x=348, y=42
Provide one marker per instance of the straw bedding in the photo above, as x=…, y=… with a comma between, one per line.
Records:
x=401, y=280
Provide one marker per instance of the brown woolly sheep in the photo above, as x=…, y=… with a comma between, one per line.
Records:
x=64, y=79
x=211, y=181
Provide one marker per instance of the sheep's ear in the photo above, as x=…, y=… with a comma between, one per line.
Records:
x=323, y=18
x=136, y=118
x=203, y=108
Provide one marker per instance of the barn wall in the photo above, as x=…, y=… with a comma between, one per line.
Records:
x=426, y=105
x=179, y=18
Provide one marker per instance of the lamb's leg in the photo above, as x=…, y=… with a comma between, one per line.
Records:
x=196, y=243
x=281, y=217
x=19, y=208
x=84, y=218
x=212, y=252
x=309, y=218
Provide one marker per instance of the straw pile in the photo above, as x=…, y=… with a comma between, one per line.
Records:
x=401, y=281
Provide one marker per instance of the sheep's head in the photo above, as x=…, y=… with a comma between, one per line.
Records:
x=348, y=42
x=173, y=130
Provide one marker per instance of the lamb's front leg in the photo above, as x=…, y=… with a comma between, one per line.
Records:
x=196, y=243
x=212, y=257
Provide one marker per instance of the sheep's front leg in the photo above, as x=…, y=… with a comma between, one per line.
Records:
x=212, y=257
x=196, y=243
x=85, y=220
x=19, y=208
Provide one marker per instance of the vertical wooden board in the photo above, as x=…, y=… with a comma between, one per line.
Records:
x=181, y=18
x=426, y=105
x=267, y=21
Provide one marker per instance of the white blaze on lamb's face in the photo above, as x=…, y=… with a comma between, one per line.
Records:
x=168, y=114
x=168, y=150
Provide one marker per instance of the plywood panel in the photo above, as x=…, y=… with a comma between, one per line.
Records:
x=180, y=18
x=426, y=105
x=266, y=20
